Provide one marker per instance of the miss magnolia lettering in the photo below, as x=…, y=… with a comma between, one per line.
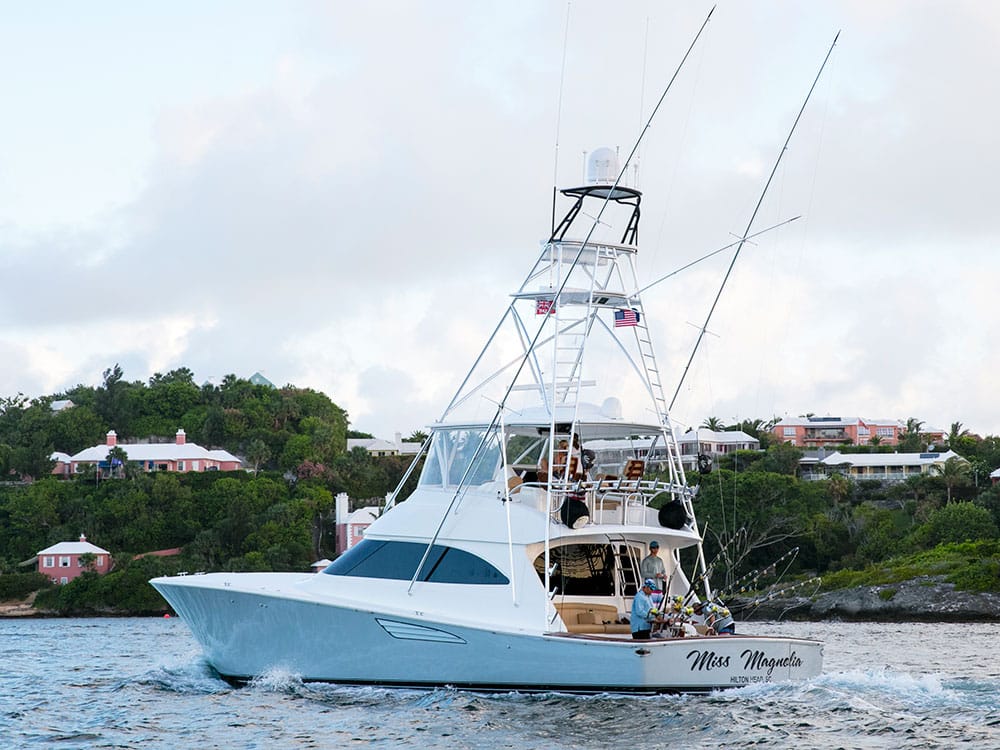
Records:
x=753, y=661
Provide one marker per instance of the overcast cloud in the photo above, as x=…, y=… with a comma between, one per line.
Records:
x=341, y=195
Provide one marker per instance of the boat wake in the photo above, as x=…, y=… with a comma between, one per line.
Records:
x=196, y=677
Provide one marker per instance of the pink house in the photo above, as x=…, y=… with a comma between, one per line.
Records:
x=180, y=455
x=351, y=526
x=62, y=562
x=61, y=464
x=815, y=432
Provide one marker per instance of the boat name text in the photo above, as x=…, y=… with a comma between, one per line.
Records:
x=753, y=661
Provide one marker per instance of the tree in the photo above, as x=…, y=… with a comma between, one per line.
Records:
x=958, y=522
x=955, y=434
x=839, y=487
x=955, y=473
x=257, y=454
x=417, y=436
x=910, y=441
x=714, y=423
x=117, y=461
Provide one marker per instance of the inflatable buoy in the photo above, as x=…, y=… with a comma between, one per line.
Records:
x=574, y=513
x=166, y=616
x=673, y=515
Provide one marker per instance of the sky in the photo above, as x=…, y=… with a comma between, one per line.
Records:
x=343, y=195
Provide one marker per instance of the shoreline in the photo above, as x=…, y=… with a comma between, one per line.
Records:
x=928, y=599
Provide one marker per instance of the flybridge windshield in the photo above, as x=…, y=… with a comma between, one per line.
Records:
x=452, y=457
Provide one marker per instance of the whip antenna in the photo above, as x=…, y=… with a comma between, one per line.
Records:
x=555, y=160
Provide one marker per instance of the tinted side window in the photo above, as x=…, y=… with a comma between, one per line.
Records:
x=459, y=566
x=399, y=560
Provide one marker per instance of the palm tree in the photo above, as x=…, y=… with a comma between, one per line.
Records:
x=714, y=423
x=910, y=441
x=752, y=427
x=956, y=434
x=955, y=473
x=839, y=487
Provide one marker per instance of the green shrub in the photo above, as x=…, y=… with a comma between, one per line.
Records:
x=19, y=585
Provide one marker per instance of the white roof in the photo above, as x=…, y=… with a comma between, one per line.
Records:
x=363, y=515
x=60, y=456
x=61, y=404
x=74, y=548
x=378, y=444
x=888, y=459
x=156, y=452
x=995, y=474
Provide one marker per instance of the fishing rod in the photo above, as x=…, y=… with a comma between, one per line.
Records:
x=753, y=217
x=741, y=585
x=780, y=592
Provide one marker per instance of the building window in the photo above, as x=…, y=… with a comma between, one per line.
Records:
x=194, y=466
x=180, y=466
x=884, y=432
x=788, y=431
x=100, y=560
x=64, y=562
x=64, y=579
x=48, y=562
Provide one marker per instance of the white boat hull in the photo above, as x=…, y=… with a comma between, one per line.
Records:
x=244, y=634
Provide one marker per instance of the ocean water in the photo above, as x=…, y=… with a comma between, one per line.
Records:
x=142, y=683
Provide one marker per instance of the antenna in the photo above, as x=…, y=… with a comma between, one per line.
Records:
x=555, y=159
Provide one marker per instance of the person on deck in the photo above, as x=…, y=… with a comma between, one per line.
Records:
x=652, y=566
x=644, y=612
x=724, y=623
x=719, y=618
x=700, y=618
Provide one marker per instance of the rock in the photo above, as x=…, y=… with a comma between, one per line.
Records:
x=922, y=599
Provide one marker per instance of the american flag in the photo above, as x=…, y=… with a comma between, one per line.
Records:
x=544, y=306
x=625, y=318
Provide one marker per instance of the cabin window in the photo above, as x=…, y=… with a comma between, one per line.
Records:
x=64, y=562
x=582, y=569
x=453, y=455
x=399, y=560
x=48, y=562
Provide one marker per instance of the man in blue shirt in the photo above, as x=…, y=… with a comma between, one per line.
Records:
x=643, y=611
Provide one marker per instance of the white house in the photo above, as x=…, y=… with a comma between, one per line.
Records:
x=890, y=467
x=380, y=447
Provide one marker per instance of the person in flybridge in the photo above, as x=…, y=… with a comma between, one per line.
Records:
x=652, y=566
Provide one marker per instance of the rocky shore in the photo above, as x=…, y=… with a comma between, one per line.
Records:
x=923, y=599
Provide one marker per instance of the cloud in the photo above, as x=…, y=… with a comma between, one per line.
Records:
x=352, y=217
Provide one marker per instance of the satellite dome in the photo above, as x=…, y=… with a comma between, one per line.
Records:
x=602, y=166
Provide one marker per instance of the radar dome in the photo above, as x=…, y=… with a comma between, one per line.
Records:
x=602, y=166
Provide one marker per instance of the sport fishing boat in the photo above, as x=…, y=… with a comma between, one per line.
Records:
x=514, y=562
